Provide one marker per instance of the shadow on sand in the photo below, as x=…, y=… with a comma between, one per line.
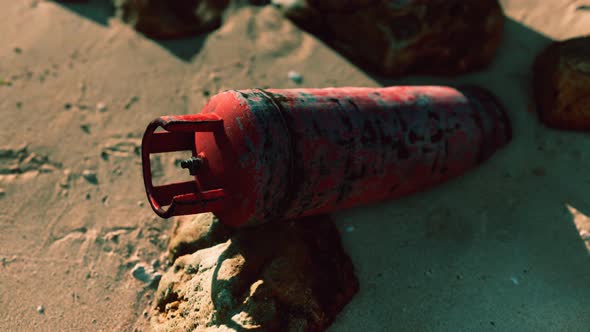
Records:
x=100, y=11
x=519, y=262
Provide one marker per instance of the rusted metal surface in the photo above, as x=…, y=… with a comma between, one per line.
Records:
x=269, y=154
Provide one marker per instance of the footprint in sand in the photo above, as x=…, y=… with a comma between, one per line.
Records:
x=84, y=241
x=121, y=148
x=20, y=162
x=78, y=241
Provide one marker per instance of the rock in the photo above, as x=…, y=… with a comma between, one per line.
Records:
x=561, y=84
x=171, y=19
x=40, y=309
x=395, y=38
x=295, y=76
x=192, y=233
x=101, y=107
x=281, y=276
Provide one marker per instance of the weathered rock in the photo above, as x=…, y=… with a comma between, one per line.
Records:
x=401, y=37
x=192, y=233
x=561, y=84
x=171, y=19
x=284, y=276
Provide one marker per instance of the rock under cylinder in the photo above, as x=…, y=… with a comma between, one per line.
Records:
x=264, y=155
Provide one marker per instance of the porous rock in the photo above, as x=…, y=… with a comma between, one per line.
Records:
x=281, y=276
x=163, y=19
x=394, y=38
x=561, y=84
x=192, y=233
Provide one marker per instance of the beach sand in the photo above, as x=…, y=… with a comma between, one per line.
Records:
x=501, y=248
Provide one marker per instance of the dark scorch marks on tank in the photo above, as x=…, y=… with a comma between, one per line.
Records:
x=395, y=187
x=403, y=152
x=413, y=137
x=296, y=171
x=269, y=155
x=369, y=136
x=323, y=169
x=353, y=135
x=373, y=135
x=437, y=137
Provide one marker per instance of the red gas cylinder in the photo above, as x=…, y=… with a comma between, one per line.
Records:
x=261, y=155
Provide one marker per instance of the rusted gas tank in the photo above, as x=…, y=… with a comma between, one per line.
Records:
x=261, y=155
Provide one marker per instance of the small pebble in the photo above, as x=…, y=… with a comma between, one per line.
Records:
x=2, y=192
x=90, y=176
x=514, y=280
x=88, y=196
x=142, y=274
x=295, y=76
x=101, y=107
x=140, y=203
x=40, y=309
x=85, y=128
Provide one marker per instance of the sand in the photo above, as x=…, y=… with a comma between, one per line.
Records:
x=501, y=248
